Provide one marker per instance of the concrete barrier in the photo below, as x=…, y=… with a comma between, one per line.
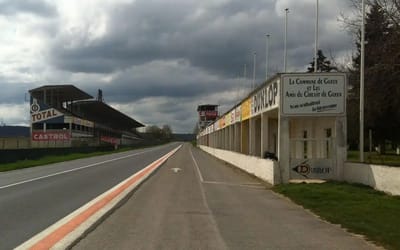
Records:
x=383, y=178
x=264, y=169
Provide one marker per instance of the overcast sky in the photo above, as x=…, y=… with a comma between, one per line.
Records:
x=156, y=60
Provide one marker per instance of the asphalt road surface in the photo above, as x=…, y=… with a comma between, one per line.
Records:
x=33, y=199
x=197, y=202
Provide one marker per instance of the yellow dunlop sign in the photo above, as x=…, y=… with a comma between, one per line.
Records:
x=246, y=109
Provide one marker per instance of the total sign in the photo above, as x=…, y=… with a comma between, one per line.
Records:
x=38, y=115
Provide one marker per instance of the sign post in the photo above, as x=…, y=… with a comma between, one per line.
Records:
x=315, y=106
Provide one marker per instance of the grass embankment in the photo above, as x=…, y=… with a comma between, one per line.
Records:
x=389, y=158
x=54, y=159
x=358, y=208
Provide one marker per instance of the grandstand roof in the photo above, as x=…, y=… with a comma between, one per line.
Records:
x=61, y=93
x=101, y=113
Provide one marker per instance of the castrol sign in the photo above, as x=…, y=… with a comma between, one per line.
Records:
x=51, y=136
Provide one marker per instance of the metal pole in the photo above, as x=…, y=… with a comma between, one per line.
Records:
x=266, y=55
x=285, y=41
x=316, y=38
x=362, y=83
x=245, y=78
x=370, y=141
x=254, y=71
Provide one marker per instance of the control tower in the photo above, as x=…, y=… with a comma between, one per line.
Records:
x=208, y=113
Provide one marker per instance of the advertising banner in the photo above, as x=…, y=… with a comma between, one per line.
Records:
x=51, y=136
x=238, y=114
x=221, y=123
x=228, y=119
x=211, y=114
x=312, y=169
x=233, y=114
x=246, y=109
x=78, y=121
x=313, y=94
x=47, y=115
x=265, y=99
x=42, y=113
x=109, y=139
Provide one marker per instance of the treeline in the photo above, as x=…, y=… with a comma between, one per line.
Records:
x=382, y=73
x=163, y=133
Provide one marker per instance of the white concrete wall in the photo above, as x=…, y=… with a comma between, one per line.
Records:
x=383, y=178
x=264, y=169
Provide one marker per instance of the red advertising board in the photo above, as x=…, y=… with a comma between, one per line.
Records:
x=51, y=136
x=211, y=113
x=110, y=139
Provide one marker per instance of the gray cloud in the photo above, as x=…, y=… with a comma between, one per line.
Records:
x=36, y=7
x=218, y=39
x=157, y=60
x=14, y=92
x=164, y=78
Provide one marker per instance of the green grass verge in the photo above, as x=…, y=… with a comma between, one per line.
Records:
x=390, y=159
x=58, y=158
x=358, y=208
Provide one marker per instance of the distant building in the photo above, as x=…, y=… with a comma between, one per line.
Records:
x=65, y=116
x=208, y=113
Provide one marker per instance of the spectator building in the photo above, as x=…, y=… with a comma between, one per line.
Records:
x=293, y=126
x=65, y=116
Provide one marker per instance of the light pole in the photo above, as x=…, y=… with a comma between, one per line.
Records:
x=267, y=36
x=316, y=38
x=362, y=83
x=254, y=71
x=245, y=76
x=285, y=41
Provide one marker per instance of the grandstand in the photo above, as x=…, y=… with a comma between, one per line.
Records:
x=65, y=116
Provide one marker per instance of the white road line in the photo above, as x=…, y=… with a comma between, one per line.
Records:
x=221, y=242
x=231, y=183
x=72, y=170
x=197, y=166
x=250, y=185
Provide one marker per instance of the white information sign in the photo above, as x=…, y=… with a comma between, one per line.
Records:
x=313, y=94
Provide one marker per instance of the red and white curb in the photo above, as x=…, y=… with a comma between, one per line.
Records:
x=66, y=231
